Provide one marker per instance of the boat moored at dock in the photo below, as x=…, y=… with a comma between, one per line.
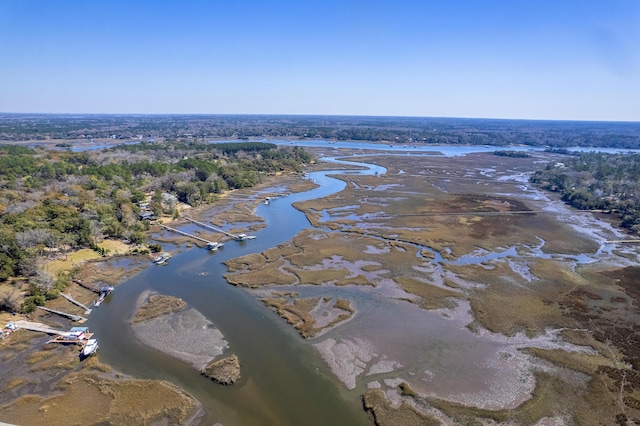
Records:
x=90, y=348
x=162, y=258
x=213, y=246
x=104, y=292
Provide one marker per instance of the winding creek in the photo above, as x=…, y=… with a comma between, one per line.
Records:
x=284, y=380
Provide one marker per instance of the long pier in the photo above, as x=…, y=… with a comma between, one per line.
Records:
x=64, y=314
x=186, y=234
x=87, y=310
x=213, y=228
x=634, y=240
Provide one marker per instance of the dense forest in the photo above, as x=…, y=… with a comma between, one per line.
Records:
x=52, y=201
x=25, y=127
x=608, y=182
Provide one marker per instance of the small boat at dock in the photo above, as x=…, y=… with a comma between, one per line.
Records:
x=90, y=348
x=244, y=237
x=161, y=259
x=104, y=292
x=213, y=246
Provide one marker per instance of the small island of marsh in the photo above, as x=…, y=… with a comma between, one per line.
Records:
x=225, y=371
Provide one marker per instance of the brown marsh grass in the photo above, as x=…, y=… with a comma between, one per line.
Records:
x=158, y=305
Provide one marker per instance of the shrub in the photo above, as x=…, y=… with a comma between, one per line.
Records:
x=29, y=304
x=155, y=248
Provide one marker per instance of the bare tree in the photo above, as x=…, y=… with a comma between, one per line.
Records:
x=34, y=237
x=9, y=299
x=43, y=280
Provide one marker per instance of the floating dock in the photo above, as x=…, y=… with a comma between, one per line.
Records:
x=77, y=335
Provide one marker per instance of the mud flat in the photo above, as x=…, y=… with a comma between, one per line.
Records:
x=183, y=333
x=311, y=317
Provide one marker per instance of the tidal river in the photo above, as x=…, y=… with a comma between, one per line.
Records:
x=284, y=381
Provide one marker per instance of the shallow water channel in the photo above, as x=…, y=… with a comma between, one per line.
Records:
x=283, y=379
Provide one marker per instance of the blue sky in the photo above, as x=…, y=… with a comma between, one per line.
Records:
x=542, y=59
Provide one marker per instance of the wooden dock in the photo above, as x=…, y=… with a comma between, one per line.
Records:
x=87, y=310
x=186, y=234
x=238, y=237
x=633, y=240
x=61, y=338
x=36, y=326
x=64, y=314
x=213, y=228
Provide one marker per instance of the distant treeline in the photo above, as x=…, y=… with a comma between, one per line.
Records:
x=512, y=154
x=608, y=182
x=21, y=127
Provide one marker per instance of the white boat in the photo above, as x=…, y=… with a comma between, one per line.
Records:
x=90, y=348
x=162, y=258
x=244, y=237
x=213, y=246
x=104, y=292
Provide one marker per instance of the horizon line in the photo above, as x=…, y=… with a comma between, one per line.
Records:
x=316, y=115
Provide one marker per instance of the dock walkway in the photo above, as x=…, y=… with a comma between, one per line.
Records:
x=64, y=314
x=213, y=228
x=87, y=310
x=186, y=234
x=37, y=326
